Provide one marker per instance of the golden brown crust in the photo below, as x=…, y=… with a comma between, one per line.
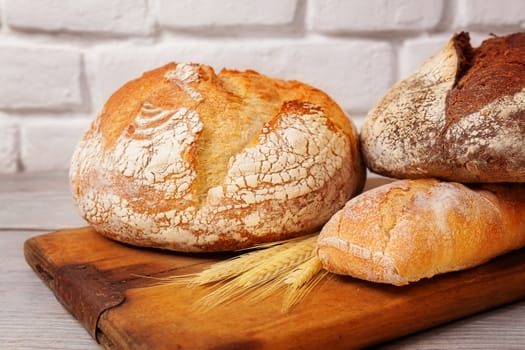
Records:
x=412, y=229
x=188, y=160
x=459, y=117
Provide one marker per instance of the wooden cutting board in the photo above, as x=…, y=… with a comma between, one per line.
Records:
x=101, y=283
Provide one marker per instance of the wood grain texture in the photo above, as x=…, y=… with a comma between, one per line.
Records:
x=352, y=310
x=31, y=317
x=42, y=202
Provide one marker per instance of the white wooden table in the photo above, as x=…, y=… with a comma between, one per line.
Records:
x=31, y=317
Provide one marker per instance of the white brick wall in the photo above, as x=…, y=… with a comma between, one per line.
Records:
x=8, y=145
x=190, y=14
x=334, y=16
x=48, y=143
x=60, y=60
x=501, y=13
x=39, y=77
x=103, y=16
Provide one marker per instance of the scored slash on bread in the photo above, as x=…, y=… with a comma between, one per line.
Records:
x=189, y=160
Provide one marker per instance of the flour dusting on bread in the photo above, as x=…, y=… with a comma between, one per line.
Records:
x=438, y=227
x=459, y=117
x=187, y=160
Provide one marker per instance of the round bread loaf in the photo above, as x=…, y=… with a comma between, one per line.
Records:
x=189, y=160
x=459, y=117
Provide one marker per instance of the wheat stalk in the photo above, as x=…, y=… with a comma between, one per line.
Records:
x=291, y=266
x=233, y=267
x=278, y=263
x=296, y=283
x=302, y=280
x=303, y=273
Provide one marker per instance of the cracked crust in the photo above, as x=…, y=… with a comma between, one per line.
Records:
x=412, y=229
x=459, y=117
x=188, y=160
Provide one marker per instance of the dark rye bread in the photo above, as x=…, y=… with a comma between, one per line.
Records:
x=459, y=117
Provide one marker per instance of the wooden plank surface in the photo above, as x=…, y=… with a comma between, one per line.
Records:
x=42, y=202
x=86, y=271
x=31, y=318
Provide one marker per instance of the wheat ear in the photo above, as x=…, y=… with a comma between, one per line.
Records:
x=290, y=266
x=266, y=277
x=233, y=267
x=301, y=281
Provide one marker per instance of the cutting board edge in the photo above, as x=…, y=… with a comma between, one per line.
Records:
x=43, y=267
x=476, y=306
x=70, y=277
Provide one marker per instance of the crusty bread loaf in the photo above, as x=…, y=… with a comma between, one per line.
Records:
x=412, y=229
x=189, y=160
x=459, y=117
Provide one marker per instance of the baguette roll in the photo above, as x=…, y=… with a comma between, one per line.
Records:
x=413, y=229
